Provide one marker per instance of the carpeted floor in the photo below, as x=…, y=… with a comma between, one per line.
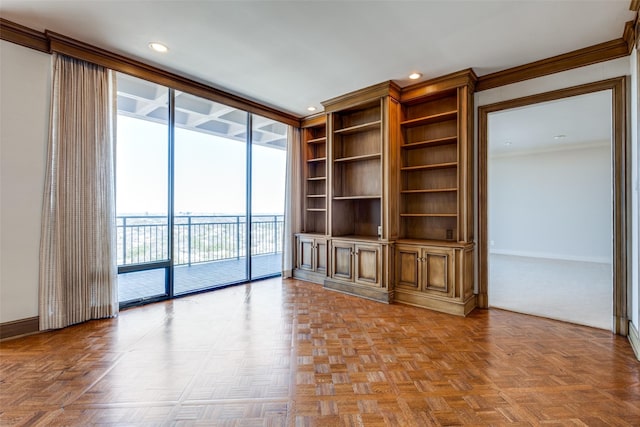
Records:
x=572, y=291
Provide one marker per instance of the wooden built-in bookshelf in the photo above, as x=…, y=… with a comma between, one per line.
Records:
x=388, y=194
x=362, y=143
x=314, y=139
x=434, y=249
x=429, y=167
x=357, y=174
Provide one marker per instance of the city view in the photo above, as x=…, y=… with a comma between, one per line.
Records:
x=204, y=175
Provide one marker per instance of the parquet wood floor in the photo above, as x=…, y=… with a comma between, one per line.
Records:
x=288, y=353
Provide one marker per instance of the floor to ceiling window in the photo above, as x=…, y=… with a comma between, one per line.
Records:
x=200, y=193
x=142, y=190
x=210, y=188
x=268, y=166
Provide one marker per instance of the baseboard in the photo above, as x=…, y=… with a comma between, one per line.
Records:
x=634, y=339
x=362, y=291
x=309, y=276
x=548, y=255
x=29, y=325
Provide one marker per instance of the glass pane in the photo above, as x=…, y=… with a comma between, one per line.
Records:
x=142, y=179
x=141, y=284
x=210, y=194
x=268, y=164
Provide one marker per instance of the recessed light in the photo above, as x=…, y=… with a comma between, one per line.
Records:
x=158, y=47
x=311, y=108
x=508, y=143
x=415, y=76
x=559, y=137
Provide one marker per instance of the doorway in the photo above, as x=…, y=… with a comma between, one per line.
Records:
x=544, y=223
x=550, y=209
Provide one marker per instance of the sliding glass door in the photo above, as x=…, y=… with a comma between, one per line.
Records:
x=200, y=193
x=142, y=190
x=210, y=194
x=268, y=166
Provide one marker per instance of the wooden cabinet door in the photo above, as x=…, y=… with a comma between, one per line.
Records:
x=320, y=256
x=408, y=267
x=342, y=260
x=437, y=271
x=368, y=264
x=305, y=259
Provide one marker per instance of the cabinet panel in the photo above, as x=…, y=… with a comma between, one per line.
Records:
x=367, y=264
x=321, y=256
x=311, y=258
x=438, y=271
x=305, y=253
x=342, y=261
x=407, y=267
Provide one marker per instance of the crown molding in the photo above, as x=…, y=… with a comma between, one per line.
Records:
x=24, y=36
x=317, y=119
x=439, y=84
x=77, y=49
x=50, y=42
x=601, y=52
x=629, y=34
x=351, y=99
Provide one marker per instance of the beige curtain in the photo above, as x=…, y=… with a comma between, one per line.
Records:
x=293, y=191
x=78, y=273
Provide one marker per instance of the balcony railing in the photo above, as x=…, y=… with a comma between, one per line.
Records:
x=198, y=238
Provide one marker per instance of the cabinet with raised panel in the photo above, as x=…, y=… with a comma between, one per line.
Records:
x=438, y=277
x=311, y=258
x=359, y=268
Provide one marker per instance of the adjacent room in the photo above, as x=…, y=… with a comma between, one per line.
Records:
x=550, y=209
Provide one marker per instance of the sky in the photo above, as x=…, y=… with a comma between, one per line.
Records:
x=210, y=172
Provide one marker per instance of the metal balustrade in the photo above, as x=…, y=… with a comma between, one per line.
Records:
x=197, y=238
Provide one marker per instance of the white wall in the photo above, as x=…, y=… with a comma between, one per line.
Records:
x=552, y=204
x=24, y=122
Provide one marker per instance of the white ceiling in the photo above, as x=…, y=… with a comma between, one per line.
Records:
x=292, y=54
x=583, y=120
